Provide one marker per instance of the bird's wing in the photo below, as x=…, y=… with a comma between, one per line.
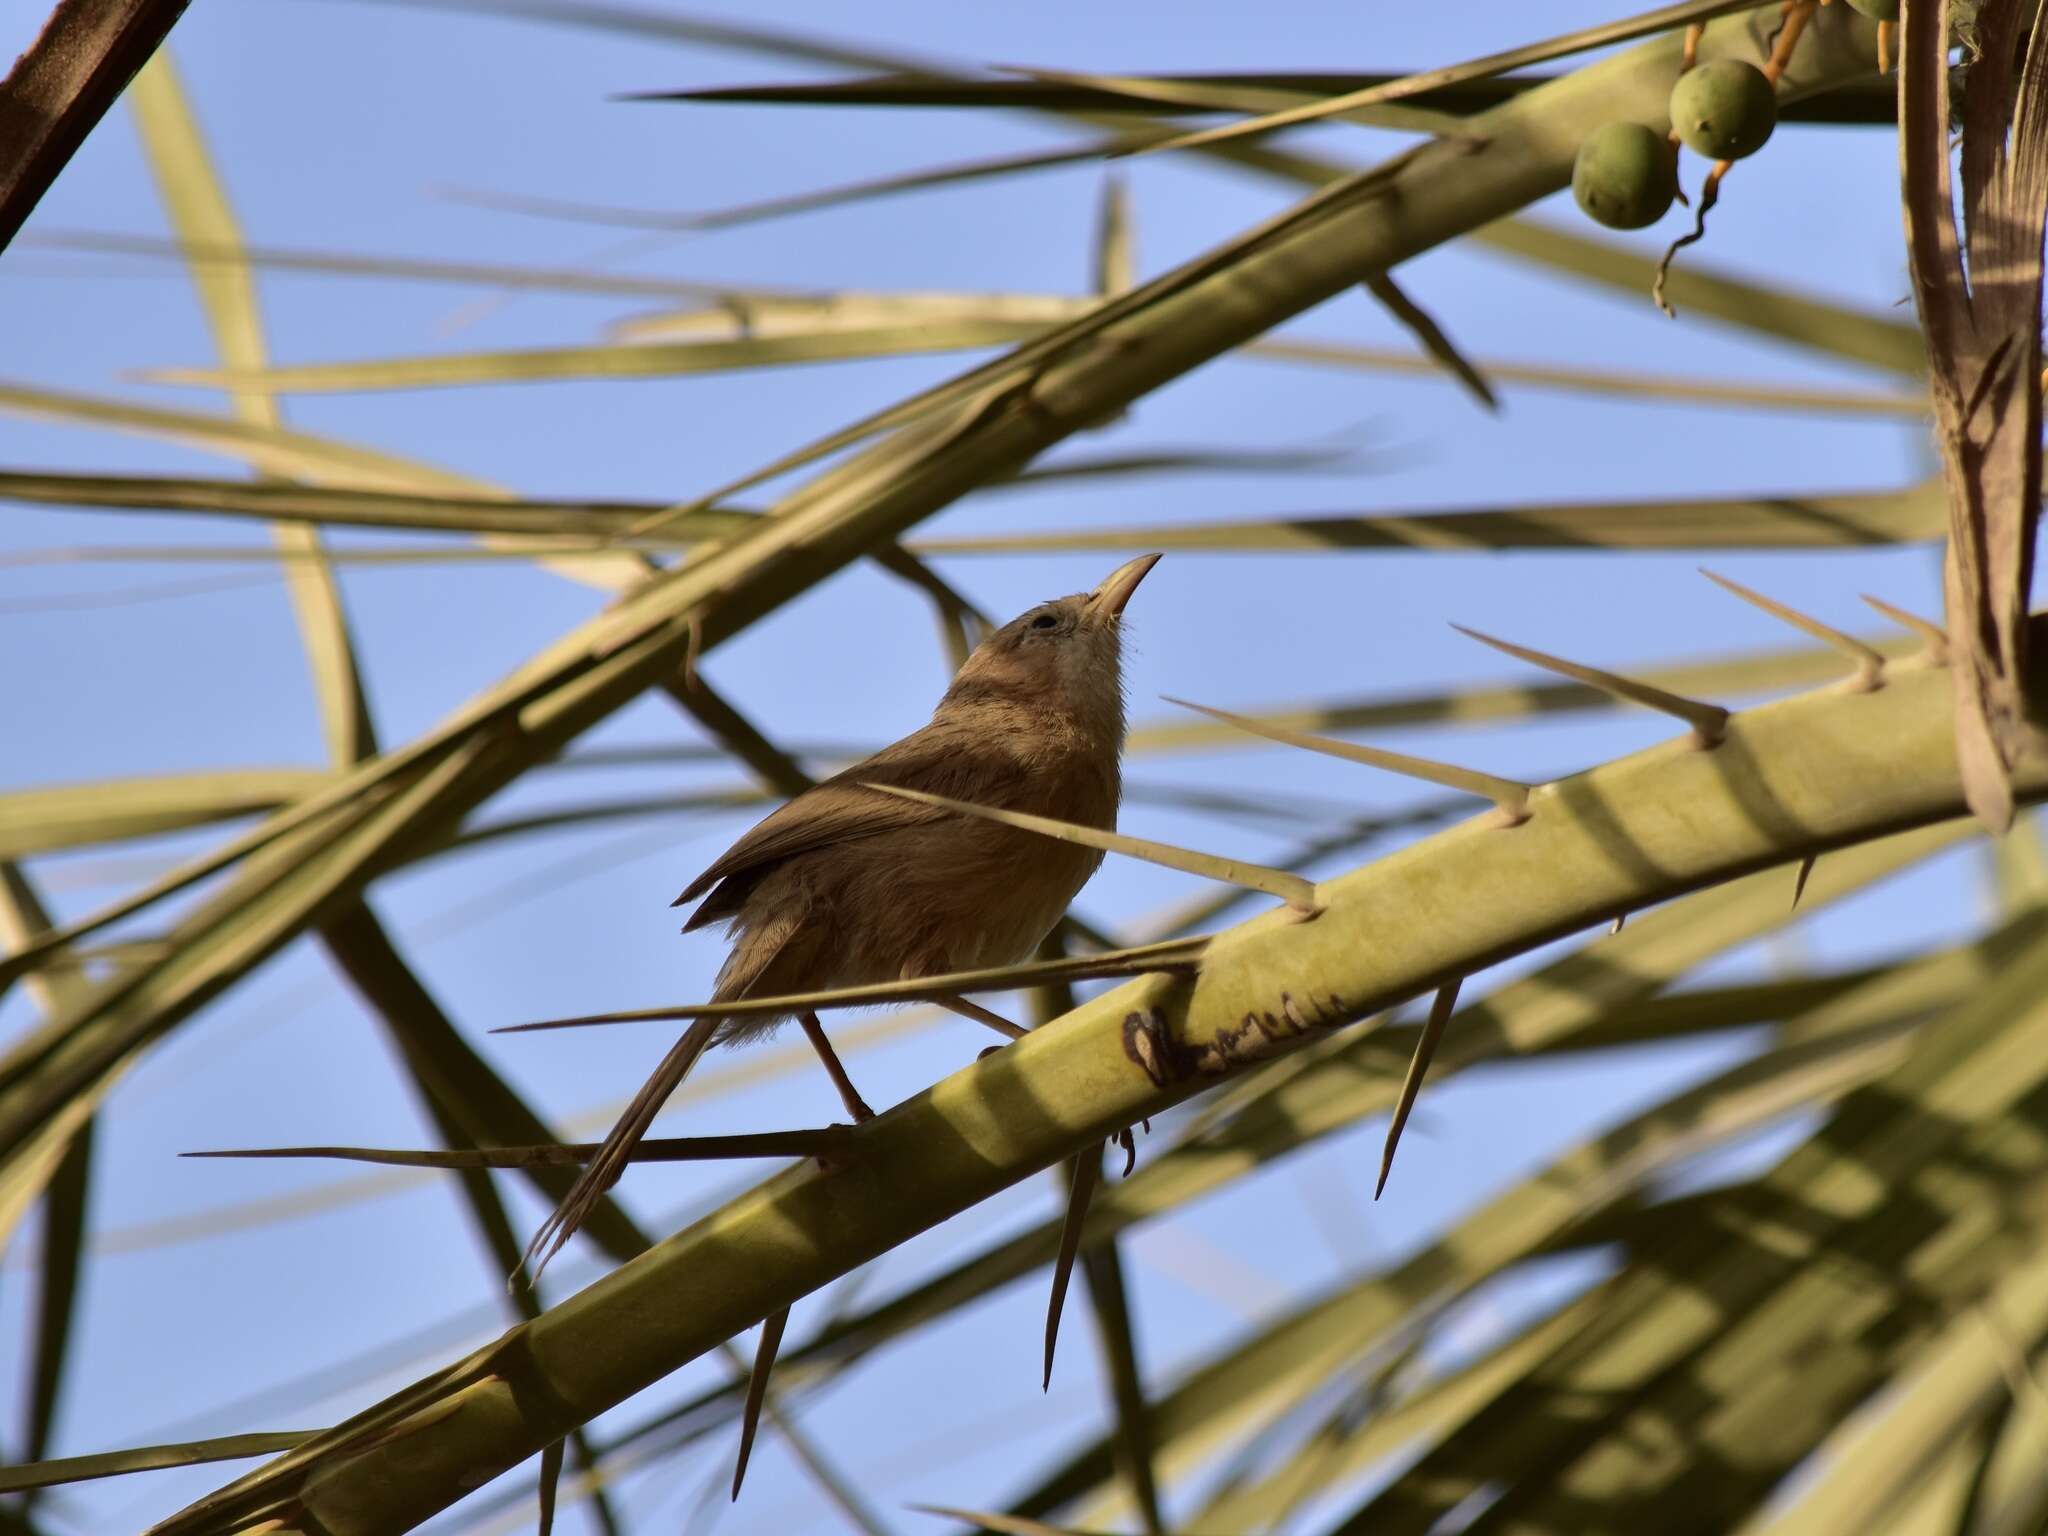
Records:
x=839, y=810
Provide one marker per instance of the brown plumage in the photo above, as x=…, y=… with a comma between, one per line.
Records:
x=843, y=886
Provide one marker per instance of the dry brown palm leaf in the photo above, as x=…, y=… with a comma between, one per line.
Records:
x=1980, y=302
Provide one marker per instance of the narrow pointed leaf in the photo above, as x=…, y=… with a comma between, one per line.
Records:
x=1816, y=324
x=358, y=506
x=148, y=1458
x=1102, y=1267
x=1423, y=327
x=58, y=1266
x=741, y=214
x=449, y=512
x=197, y=202
x=1084, y=1173
x=1709, y=721
x=286, y=561
x=1292, y=889
x=1869, y=661
x=550, y=1479
x=757, y=1390
x=1168, y=955
x=28, y=1167
x=411, y=269
x=1933, y=637
x=57, y=1152
x=1003, y=1525
x=849, y=312
x=277, y=451
x=1116, y=259
x=966, y=322
x=1064, y=93
x=274, y=449
x=1787, y=522
x=1623, y=384
x=1750, y=673
x=1509, y=796
x=648, y=24
x=774, y=768
x=1440, y=1008
x=1210, y=94
x=1663, y=19
x=61, y=1169
x=115, y=810
x=641, y=361
x=828, y=1140
x=962, y=626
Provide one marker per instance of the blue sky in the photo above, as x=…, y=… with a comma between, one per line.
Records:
x=343, y=126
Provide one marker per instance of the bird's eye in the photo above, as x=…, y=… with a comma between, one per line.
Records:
x=1045, y=621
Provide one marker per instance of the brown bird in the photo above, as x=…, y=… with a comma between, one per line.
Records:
x=844, y=886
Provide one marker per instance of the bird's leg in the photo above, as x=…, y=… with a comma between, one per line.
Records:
x=981, y=1015
x=856, y=1106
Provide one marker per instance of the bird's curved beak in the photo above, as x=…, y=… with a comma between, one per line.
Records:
x=1108, y=600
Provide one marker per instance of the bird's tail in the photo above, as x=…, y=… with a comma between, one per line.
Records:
x=604, y=1168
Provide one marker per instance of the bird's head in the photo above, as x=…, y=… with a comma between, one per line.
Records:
x=1065, y=655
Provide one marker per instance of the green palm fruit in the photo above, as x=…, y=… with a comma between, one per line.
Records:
x=1724, y=110
x=1624, y=176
